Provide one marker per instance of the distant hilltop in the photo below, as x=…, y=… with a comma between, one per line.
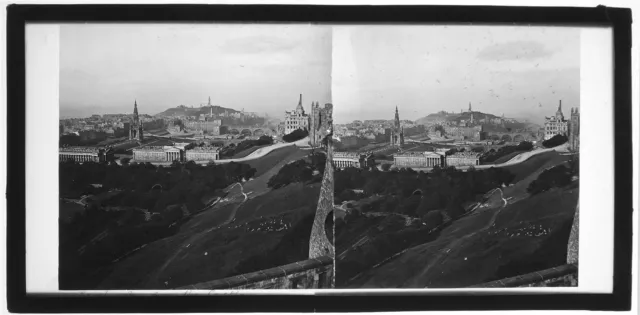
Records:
x=183, y=110
x=457, y=117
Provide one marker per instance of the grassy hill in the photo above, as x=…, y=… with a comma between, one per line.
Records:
x=526, y=236
x=196, y=111
x=495, y=242
x=205, y=248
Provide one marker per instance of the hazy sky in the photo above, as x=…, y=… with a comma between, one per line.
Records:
x=519, y=71
x=261, y=68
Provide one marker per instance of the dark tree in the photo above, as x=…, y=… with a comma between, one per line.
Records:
x=555, y=141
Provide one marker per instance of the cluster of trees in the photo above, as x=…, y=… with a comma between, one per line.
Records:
x=299, y=171
x=178, y=183
x=295, y=135
x=416, y=194
x=493, y=155
x=154, y=124
x=233, y=149
x=558, y=176
x=555, y=141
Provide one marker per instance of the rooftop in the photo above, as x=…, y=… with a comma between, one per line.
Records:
x=466, y=155
x=81, y=149
x=150, y=149
x=352, y=155
x=204, y=149
x=417, y=154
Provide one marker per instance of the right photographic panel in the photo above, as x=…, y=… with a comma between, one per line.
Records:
x=456, y=154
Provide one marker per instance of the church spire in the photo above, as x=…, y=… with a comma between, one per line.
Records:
x=559, y=114
x=135, y=108
x=397, y=119
x=300, y=109
x=469, y=106
x=209, y=104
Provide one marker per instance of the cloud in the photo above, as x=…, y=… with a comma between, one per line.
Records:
x=514, y=50
x=258, y=44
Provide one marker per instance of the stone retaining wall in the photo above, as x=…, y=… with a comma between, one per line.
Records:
x=307, y=274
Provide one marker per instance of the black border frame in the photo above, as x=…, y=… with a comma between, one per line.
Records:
x=17, y=15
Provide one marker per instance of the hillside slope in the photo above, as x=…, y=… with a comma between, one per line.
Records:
x=501, y=239
x=212, y=242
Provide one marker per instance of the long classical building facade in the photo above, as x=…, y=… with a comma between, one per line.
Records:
x=178, y=152
x=157, y=154
x=202, y=154
x=352, y=159
x=417, y=159
x=463, y=159
x=84, y=154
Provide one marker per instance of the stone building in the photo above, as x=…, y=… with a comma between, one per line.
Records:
x=463, y=159
x=202, y=154
x=417, y=159
x=85, y=154
x=574, y=130
x=296, y=119
x=475, y=133
x=397, y=131
x=555, y=125
x=352, y=159
x=157, y=154
x=135, y=128
x=208, y=125
x=320, y=121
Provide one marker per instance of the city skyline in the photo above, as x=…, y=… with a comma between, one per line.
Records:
x=261, y=68
x=520, y=71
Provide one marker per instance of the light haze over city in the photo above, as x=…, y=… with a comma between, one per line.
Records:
x=520, y=71
x=259, y=68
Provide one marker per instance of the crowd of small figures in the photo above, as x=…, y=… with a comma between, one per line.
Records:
x=267, y=225
x=531, y=230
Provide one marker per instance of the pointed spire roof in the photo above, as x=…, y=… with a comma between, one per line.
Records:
x=299, y=108
x=209, y=101
x=469, y=106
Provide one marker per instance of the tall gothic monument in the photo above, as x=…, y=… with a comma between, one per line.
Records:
x=135, y=129
x=397, y=132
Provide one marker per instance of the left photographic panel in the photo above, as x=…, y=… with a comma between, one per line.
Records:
x=194, y=156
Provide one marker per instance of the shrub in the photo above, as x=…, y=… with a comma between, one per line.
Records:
x=298, y=171
x=555, y=141
x=295, y=135
x=558, y=176
x=386, y=167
